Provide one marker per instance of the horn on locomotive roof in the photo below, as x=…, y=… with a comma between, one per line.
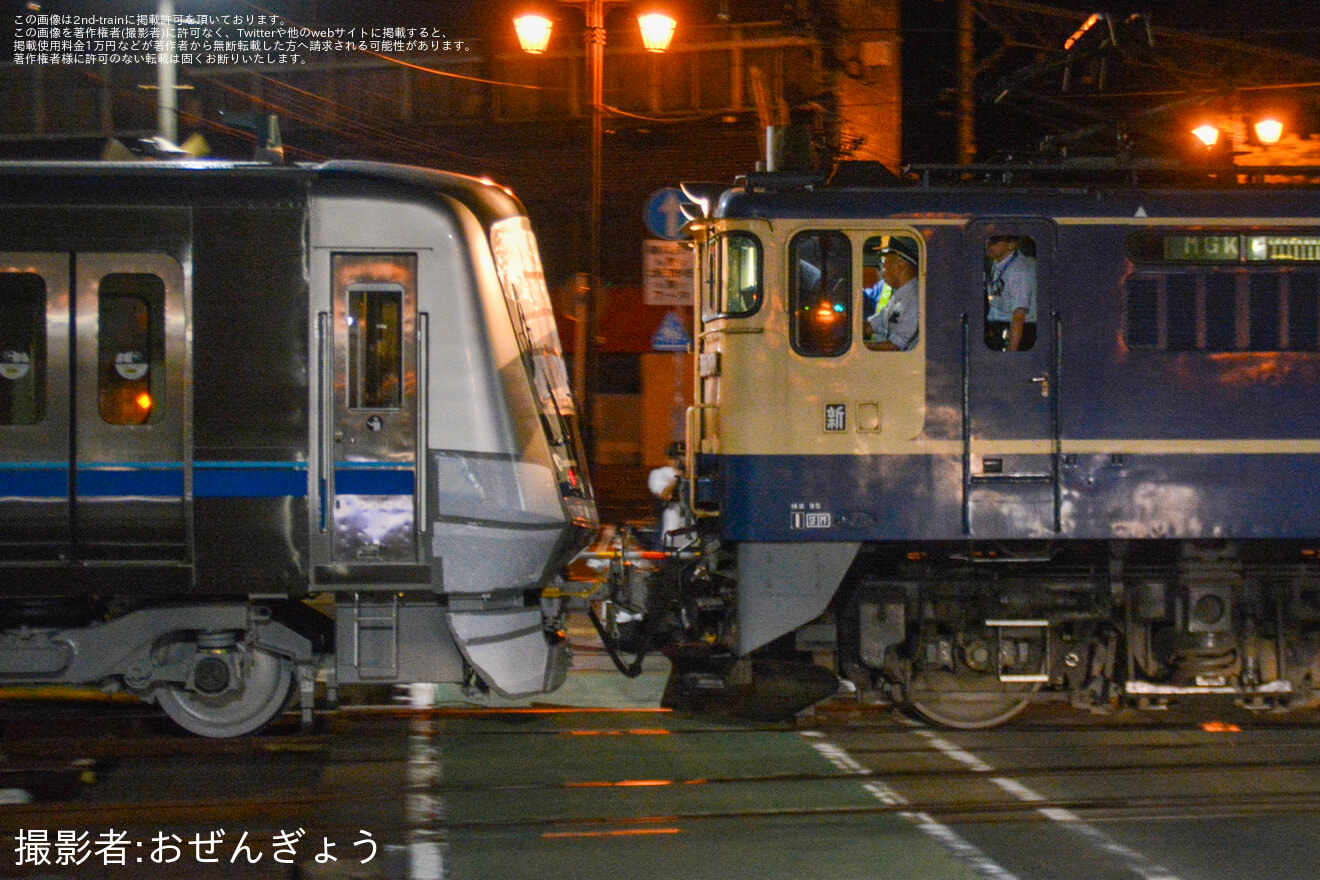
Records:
x=266, y=129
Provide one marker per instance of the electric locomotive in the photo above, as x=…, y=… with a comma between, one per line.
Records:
x=261, y=421
x=1118, y=506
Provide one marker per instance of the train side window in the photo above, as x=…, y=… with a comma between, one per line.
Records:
x=1303, y=312
x=375, y=348
x=820, y=293
x=737, y=291
x=1215, y=310
x=1010, y=293
x=22, y=348
x=131, y=347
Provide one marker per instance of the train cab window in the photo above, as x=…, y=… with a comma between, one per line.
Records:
x=820, y=293
x=375, y=347
x=891, y=312
x=131, y=347
x=735, y=287
x=1010, y=293
x=22, y=348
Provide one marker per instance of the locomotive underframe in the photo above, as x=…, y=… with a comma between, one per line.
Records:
x=970, y=634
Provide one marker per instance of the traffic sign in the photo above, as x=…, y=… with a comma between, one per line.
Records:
x=666, y=273
x=664, y=216
x=671, y=335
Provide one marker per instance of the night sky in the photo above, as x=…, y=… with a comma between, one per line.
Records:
x=1178, y=67
x=1173, y=70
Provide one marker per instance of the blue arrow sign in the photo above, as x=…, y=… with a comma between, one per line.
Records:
x=664, y=217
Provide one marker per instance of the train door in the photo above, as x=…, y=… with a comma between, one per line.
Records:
x=373, y=481
x=35, y=521
x=1011, y=380
x=128, y=408
x=94, y=465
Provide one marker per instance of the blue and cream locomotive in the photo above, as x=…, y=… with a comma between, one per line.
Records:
x=258, y=420
x=1118, y=506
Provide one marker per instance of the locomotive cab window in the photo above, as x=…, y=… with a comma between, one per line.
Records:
x=22, y=348
x=131, y=347
x=735, y=276
x=820, y=293
x=889, y=302
x=1010, y=293
x=375, y=347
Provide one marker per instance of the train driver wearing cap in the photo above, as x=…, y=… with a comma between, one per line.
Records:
x=895, y=321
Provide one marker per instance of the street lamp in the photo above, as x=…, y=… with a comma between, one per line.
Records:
x=1207, y=134
x=533, y=29
x=1269, y=131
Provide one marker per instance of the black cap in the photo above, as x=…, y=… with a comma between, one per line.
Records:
x=904, y=247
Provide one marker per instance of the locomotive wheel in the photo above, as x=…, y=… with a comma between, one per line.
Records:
x=967, y=701
x=264, y=694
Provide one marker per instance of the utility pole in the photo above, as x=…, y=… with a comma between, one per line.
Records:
x=966, y=82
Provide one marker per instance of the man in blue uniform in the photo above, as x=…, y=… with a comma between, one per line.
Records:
x=1010, y=289
x=897, y=316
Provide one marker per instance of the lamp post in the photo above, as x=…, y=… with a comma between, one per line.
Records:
x=533, y=30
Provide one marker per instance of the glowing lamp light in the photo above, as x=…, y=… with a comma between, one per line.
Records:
x=1268, y=131
x=533, y=32
x=657, y=30
x=1207, y=134
x=144, y=401
x=826, y=313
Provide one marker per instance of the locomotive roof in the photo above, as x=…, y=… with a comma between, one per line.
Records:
x=184, y=181
x=767, y=195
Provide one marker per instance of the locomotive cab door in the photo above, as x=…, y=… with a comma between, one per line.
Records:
x=372, y=484
x=1010, y=369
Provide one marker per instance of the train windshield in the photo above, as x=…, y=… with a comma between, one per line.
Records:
x=519, y=266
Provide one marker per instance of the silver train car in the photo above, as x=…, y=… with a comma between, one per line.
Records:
x=258, y=421
x=1120, y=509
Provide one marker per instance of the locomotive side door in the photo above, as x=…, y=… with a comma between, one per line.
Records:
x=372, y=482
x=1010, y=437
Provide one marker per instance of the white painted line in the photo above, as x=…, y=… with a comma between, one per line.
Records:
x=967, y=852
x=1134, y=861
x=1017, y=789
x=957, y=753
x=423, y=810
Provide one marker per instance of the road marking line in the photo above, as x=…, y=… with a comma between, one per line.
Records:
x=962, y=849
x=1134, y=861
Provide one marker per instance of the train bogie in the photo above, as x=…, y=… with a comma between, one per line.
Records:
x=256, y=420
x=1099, y=493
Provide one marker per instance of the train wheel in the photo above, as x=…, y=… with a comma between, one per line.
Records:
x=967, y=700
x=264, y=694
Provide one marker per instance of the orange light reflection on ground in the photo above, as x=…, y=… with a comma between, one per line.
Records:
x=618, y=832
x=1220, y=727
x=639, y=731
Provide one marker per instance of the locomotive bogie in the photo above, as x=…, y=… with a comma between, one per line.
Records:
x=317, y=401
